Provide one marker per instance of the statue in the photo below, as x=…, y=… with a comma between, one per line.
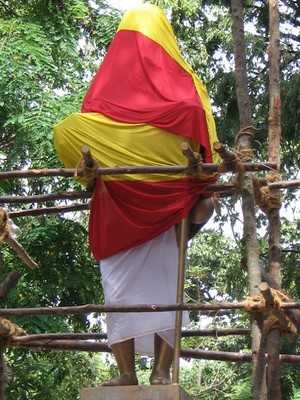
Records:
x=143, y=103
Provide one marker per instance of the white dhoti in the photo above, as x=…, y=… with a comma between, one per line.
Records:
x=146, y=274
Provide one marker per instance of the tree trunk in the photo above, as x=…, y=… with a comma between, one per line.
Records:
x=274, y=138
x=243, y=142
x=3, y=377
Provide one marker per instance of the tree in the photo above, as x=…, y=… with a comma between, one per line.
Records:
x=44, y=69
x=49, y=51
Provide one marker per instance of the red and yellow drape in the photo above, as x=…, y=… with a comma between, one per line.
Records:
x=142, y=104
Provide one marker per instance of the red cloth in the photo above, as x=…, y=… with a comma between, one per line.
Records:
x=138, y=82
x=126, y=214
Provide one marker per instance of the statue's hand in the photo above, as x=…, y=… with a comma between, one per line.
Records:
x=202, y=211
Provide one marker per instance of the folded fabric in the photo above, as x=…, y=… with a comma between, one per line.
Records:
x=142, y=104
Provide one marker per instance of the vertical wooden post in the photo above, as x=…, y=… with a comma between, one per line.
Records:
x=274, y=132
x=9, y=283
x=180, y=293
x=3, y=377
x=243, y=142
x=274, y=138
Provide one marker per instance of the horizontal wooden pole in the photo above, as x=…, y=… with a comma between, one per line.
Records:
x=95, y=308
x=216, y=355
x=75, y=345
x=40, y=198
x=84, y=345
x=65, y=209
x=216, y=332
x=48, y=210
x=293, y=184
x=47, y=337
x=98, y=308
x=232, y=356
x=100, y=336
x=173, y=169
x=227, y=189
x=217, y=313
x=223, y=189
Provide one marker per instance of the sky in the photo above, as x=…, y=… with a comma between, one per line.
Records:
x=125, y=4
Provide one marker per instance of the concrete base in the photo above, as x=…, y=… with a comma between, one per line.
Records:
x=156, y=392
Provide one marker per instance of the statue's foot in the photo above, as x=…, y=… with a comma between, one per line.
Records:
x=160, y=377
x=122, y=380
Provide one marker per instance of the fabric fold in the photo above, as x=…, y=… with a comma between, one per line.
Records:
x=142, y=104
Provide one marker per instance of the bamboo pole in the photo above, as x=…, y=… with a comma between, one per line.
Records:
x=44, y=197
x=98, y=308
x=243, y=142
x=183, y=235
x=94, y=308
x=48, y=210
x=48, y=337
x=75, y=345
x=85, y=195
x=233, y=356
x=217, y=332
x=173, y=169
x=274, y=138
x=84, y=345
x=223, y=189
x=293, y=184
x=216, y=313
x=3, y=374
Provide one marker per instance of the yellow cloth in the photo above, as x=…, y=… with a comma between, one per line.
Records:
x=113, y=144
x=162, y=33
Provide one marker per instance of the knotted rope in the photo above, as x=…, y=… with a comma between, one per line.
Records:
x=248, y=130
x=230, y=159
x=245, y=155
x=89, y=174
x=275, y=317
x=258, y=302
x=5, y=228
x=267, y=199
x=8, y=329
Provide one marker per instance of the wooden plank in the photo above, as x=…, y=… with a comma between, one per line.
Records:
x=140, y=392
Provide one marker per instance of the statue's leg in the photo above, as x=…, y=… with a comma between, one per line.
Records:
x=163, y=357
x=124, y=354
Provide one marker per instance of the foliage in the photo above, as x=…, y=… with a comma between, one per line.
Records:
x=213, y=261
x=49, y=51
x=241, y=391
x=206, y=380
x=66, y=277
x=51, y=375
x=45, y=66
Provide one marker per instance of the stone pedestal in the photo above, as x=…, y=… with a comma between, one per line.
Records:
x=155, y=392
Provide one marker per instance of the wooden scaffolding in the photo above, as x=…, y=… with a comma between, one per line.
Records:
x=265, y=296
